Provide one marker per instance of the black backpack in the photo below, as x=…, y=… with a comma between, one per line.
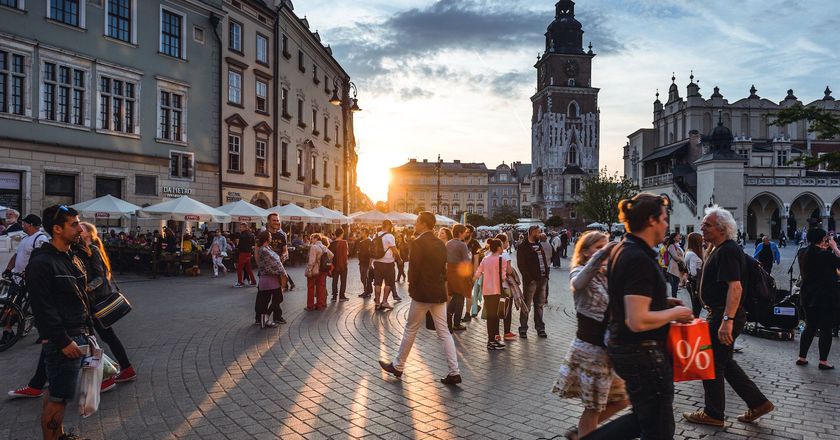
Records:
x=325, y=264
x=759, y=291
x=363, y=248
x=379, y=246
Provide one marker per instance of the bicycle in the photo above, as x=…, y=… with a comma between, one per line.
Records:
x=16, y=317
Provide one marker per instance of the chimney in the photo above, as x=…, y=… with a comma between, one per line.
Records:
x=412, y=160
x=425, y=160
x=457, y=161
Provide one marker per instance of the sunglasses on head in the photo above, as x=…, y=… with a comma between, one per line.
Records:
x=61, y=208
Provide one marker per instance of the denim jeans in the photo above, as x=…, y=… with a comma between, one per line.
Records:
x=62, y=372
x=339, y=275
x=455, y=310
x=535, y=293
x=648, y=375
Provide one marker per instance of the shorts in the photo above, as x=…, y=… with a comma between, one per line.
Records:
x=62, y=373
x=383, y=272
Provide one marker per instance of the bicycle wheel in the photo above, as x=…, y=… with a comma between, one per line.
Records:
x=12, y=324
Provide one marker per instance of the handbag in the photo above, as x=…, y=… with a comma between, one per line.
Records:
x=691, y=350
x=112, y=307
x=268, y=282
x=504, y=291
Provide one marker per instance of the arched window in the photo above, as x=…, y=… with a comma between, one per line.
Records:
x=707, y=123
x=572, y=160
x=574, y=110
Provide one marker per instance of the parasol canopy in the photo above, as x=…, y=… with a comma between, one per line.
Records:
x=186, y=209
x=242, y=211
x=105, y=207
x=294, y=213
x=332, y=216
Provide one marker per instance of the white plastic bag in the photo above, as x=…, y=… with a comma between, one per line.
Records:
x=90, y=380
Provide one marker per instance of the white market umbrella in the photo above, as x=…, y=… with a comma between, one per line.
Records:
x=332, y=216
x=105, y=207
x=186, y=209
x=444, y=220
x=242, y=211
x=294, y=213
x=401, y=218
x=370, y=217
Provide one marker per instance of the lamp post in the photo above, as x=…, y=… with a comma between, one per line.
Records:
x=349, y=106
x=437, y=172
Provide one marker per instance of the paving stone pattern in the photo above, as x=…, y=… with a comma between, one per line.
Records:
x=205, y=371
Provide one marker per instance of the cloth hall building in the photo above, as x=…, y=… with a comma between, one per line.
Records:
x=704, y=151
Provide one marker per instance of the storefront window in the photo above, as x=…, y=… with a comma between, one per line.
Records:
x=59, y=189
x=11, y=190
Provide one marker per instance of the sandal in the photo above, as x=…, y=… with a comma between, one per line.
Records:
x=800, y=362
x=571, y=434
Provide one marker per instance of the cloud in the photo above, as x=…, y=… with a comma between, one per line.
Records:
x=408, y=41
x=415, y=92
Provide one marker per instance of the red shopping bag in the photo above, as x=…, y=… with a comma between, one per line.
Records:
x=691, y=350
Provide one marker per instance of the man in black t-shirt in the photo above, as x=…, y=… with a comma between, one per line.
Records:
x=721, y=290
x=639, y=314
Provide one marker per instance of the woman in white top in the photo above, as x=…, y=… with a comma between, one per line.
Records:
x=694, y=264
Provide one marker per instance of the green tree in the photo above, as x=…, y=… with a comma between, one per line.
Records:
x=504, y=214
x=554, y=221
x=821, y=122
x=381, y=206
x=599, y=197
x=477, y=220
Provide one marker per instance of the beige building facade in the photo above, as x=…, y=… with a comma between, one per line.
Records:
x=248, y=144
x=316, y=101
x=463, y=187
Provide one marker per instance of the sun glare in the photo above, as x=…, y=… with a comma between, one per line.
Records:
x=373, y=179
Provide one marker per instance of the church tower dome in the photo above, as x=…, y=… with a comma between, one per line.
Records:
x=565, y=33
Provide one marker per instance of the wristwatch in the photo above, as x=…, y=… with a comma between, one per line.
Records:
x=726, y=318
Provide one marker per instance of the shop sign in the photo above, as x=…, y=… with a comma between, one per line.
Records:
x=176, y=191
x=10, y=180
x=244, y=218
x=102, y=215
x=295, y=218
x=193, y=218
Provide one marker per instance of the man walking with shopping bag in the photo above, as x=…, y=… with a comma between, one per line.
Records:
x=56, y=281
x=721, y=290
x=426, y=278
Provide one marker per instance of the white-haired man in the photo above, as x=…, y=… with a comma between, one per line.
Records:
x=13, y=223
x=721, y=291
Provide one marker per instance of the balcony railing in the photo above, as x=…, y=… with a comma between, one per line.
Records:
x=658, y=180
x=685, y=198
x=792, y=181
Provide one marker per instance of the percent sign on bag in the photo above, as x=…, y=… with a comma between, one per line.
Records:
x=691, y=349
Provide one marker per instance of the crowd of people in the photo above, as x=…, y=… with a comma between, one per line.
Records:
x=620, y=290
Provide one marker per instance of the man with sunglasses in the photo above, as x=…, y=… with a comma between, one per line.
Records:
x=56, y=281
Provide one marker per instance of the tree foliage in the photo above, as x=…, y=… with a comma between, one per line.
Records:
x=381, y=206
x=599, y=197
x=554, y=221
x=477, y=220
x=504, y=214
x=824, y=124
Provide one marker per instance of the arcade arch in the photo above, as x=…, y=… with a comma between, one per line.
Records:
x=764, y=216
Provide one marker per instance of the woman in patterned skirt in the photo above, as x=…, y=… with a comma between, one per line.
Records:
x=586, y=372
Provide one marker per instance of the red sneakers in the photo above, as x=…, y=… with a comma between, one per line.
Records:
x=510, y=336
x=107, y=385
x=26, y=392
x=125, y=375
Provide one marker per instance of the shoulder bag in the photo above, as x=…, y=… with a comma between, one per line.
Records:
x=112, y=307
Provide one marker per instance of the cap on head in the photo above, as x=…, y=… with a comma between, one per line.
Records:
x=32, y=220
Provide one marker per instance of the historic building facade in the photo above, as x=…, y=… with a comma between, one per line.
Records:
x=523, y=180
x=248, y=147
x=503, y=190
x=710, y=151
x=565, y=123
x=316, y=100
x=462, y=187
x=114, y=97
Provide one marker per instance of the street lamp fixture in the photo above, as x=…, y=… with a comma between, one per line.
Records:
x=336, y=100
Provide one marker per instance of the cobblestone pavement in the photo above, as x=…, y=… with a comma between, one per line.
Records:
x=205, y=371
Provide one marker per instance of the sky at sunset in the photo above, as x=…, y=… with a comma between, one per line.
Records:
x=454, y=77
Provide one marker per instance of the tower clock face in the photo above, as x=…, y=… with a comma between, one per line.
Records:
x=572, y=68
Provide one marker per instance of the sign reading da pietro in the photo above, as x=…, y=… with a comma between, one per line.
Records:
x=176, y=191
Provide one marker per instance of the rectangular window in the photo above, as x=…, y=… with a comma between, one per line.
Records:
x=234, y=87
x=285, y=43
x=180, y=165
x=284, y=158
x=315, y=122
x=315, y=74
x=262, y=96
x=326, y=176
x=301, y=124
x=300, y=175
x=11, y=3
x=234, y=150
x=171, y=116
x=66, y=11
x=313, y=169
x=575, y=187
x=235, y=36
x=59, y=189
x=145, y=185
x=12, y=83
x=336, y=177
x=109, y=186
x=284, y=103
x=64, y=93
x=337, y=139
x=119, y=20
x=260, y=167
x=262, y=49
x=171, y=38
x=301, y=67
x=117, y=104
x=326, y=124
x=782, y=158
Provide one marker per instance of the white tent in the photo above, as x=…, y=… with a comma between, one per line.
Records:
x=242, y=211
x=370, y=217
x=443, y=220
x=105, y=207
x=186, y=209
x=401, y=218
x=294, y=213
x=332, y=216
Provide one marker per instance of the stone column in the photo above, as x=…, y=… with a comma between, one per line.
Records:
x=824, y=223
x=784, y=229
